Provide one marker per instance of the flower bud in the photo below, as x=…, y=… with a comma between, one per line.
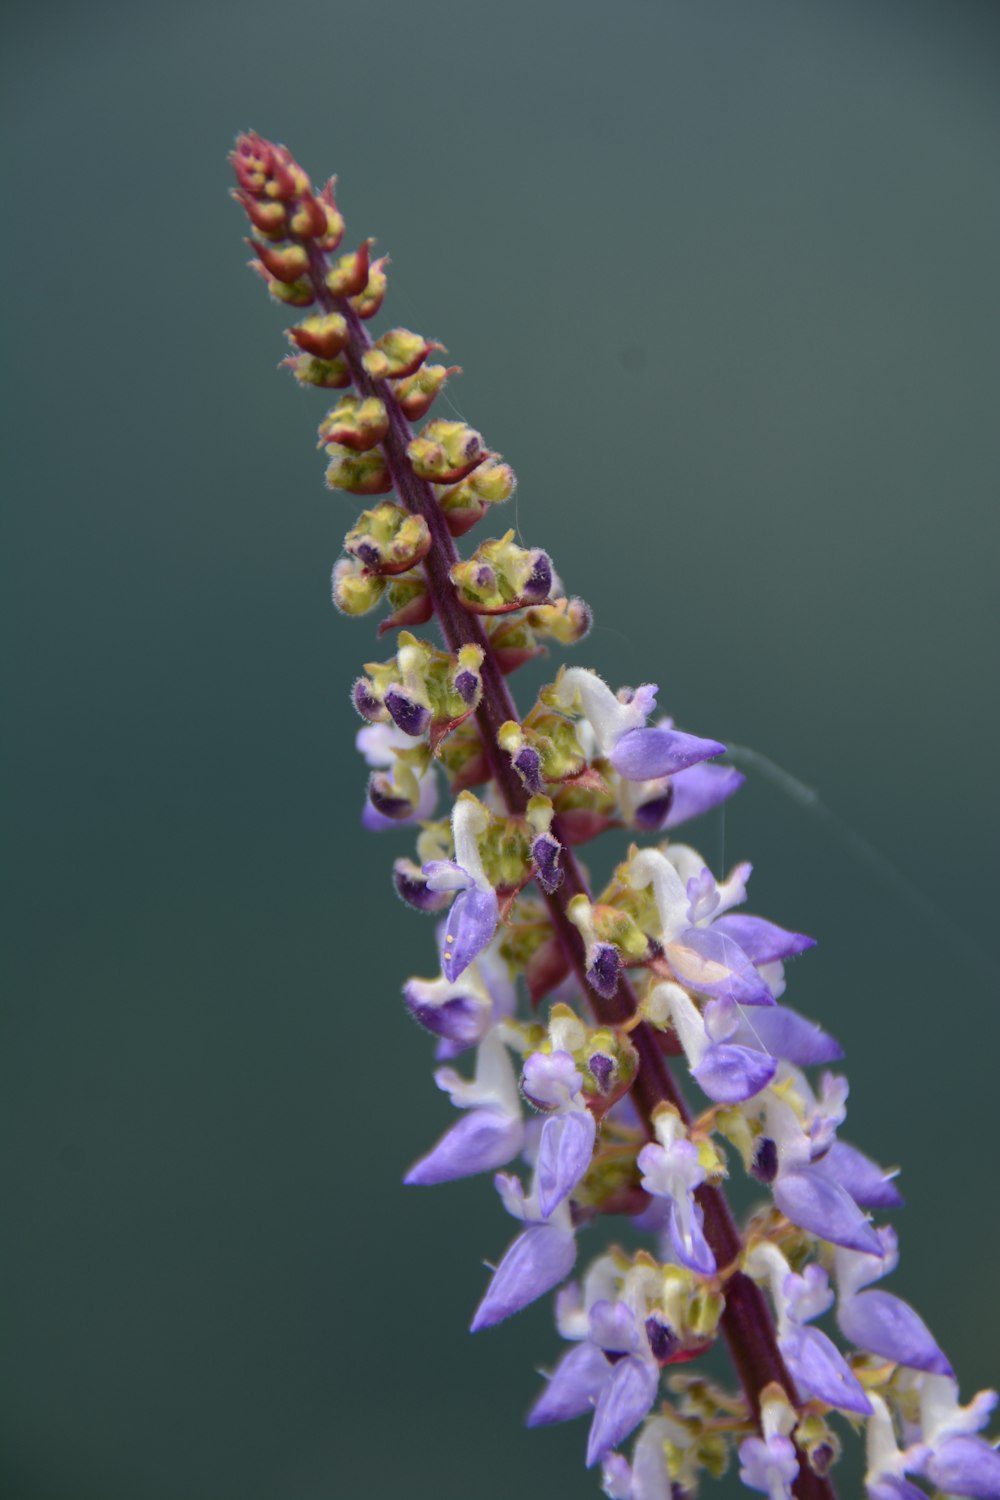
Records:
x=355, y=591
x=765, y=1160
x=355, y=422
x=288, y=264
x=328, y=374
x=467, y=681
x=294, y=293
x=446, y=451
x=367, y=303
x=323, y=334
x=410, y=885
x=546, y=854
x=416, y=392
x=366, y=703
x=397, y=353
x=309, y=221
x=334, y=230
x=410, y=602
x=408, y=714
x=388, y=799
x=268, y=218
x=500, y=577
x=604, y=970
x=349, y=276
x=358, y=473
x=388, y=539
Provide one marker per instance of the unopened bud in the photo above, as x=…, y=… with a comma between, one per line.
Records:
x=410, y=884
x=366, y=703
x=288, y=264
x=324, y=334
x=416, y=392
x=356, y=422
x=546, y=854
x=354, y=591
x=358, y=473
x=387, y=799
x=349, y=277
x=397, y=353
x=446, y=451
x=328, y=374
x=367, y=303
x=409, y=715
x=388, y=539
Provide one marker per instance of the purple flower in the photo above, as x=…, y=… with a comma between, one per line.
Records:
x=474, y=913
x=671, y=1171
x=688, y=900
x=728, y=1073
x=491, y=1134
x=539, y=1259
x=814, y=1361
x=668, y=801
x=409, y=797
x=551, y=1082
x=877, y=1321
x=636, y=752
x=612, y=1373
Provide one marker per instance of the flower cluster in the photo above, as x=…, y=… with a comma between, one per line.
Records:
x=556, y=1010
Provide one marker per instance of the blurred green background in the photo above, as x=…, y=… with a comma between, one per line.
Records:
x=724, y=280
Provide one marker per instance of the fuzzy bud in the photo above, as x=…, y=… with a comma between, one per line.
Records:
x=356, y=423
x=410, y=885
x=446, y=451
x=397, y=353
x=324, y=334
x=388, y=539
x=354, y=590
x=358, y=473
x=349, y=276
x=367, y=303
x=328, y=374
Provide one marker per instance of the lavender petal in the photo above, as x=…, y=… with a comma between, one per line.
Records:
x=700, y=788
x=469, y=928
x=763, y=942
x=713, y=964
x=730, y=1074
x=819, y=1369
x=564, y=1154
x=885, y=1325
x=786, y=1034
x=863, y=1178
x=573, y=1387
x=965, y=1465
x=536, y=1262
x=626, y=1397
x=480, y=1141
x=647, y=754
x=822, y=1206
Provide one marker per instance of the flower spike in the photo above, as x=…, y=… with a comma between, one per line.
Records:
x=587, y=1012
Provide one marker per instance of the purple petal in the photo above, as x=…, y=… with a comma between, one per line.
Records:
x=863, y=1178
x=786, y=1034
x=469, y=928
x=446, y=875
x=626, y=1397
x=713, y=964
x=480, y=1141
x=537, y=1261
x=822, y=1206
x=410, y=885
x=730, y=1074
x=647, y=754
x=885, y=1325
x=819, y=1369
x=700, y=788
x=564, y=1154
x=573, y=1387
x=966, y=1465
x=698, y=1256
x=889, y=1487
x=763, y=942
x=463, y=1019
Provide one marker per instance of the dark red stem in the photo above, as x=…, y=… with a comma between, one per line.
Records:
x=747, y=1325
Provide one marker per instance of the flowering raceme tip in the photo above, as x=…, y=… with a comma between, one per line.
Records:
x=571, y=1025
